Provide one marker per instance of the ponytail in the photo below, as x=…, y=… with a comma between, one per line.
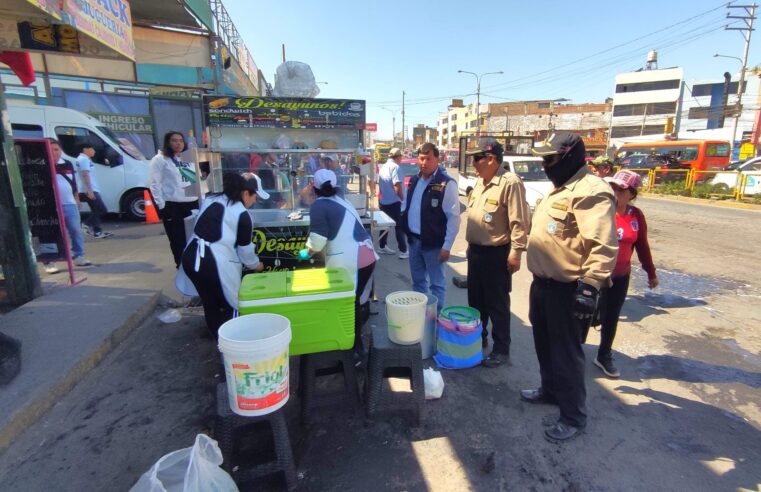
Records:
x=326, y=189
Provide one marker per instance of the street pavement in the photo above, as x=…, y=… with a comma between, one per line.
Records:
x=685, y=414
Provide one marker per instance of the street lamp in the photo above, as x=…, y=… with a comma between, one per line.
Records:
x=478, y=95
x=393, y=122
x=738, y=111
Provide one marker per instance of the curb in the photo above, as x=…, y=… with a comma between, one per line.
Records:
x=703, y=201
x=39, y=406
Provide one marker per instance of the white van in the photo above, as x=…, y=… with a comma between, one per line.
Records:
x=527, y=167
x=121, y=170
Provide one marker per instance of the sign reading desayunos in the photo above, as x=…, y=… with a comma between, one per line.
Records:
x=283, y=112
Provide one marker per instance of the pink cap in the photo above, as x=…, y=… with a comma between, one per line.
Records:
x=626, y=179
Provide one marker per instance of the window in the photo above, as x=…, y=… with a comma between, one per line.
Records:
x=657, y=85
x=543, y=105
x=705, y=113
x=717, y=150
x=641, y=109
x=72, y=138
x=708, y=89
x=27, y=131
x=634, y=130
x=454, y=128
x=454, y=117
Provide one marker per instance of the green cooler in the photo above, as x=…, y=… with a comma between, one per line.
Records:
x=319, y=303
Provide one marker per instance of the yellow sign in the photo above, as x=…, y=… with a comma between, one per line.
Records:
x=107, y=21
x=747, y=151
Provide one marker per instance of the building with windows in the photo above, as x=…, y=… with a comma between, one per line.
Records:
x=646, y=102
x=422, y=134
x=457, y=121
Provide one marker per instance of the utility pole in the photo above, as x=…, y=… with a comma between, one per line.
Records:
x=404, y=133
x=748, y=18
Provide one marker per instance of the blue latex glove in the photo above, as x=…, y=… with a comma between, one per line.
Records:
x=304, y=254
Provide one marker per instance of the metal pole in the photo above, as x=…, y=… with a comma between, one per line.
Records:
x=749, y=18
x=404, y=134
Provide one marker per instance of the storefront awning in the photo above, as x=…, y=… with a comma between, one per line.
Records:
x=180, y=13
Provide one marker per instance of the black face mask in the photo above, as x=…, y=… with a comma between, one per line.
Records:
x=568, y=165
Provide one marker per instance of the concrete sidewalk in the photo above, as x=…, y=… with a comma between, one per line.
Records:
x=68, y=331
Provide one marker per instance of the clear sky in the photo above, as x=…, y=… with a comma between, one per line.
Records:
x=547, y=49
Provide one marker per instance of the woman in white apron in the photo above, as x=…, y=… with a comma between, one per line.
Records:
x=220, y=247
x=335, y=226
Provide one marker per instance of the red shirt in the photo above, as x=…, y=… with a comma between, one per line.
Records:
x=631, y=230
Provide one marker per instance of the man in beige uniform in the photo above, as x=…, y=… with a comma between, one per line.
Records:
x=571, y=252
x=497, y=235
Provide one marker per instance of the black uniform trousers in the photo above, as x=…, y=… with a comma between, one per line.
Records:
x=557, y=340
x=489, y=286
x=612, y=300
x=216, y=310
x=173, y=216
x=394, y=211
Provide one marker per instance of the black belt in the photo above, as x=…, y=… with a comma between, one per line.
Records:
x=554, y=283
x=482, y=247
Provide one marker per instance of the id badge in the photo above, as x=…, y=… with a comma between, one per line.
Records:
x=487, y=217
x=434, y=202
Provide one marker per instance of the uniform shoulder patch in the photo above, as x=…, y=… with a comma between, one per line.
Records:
x=559, y=206
x=492, y=202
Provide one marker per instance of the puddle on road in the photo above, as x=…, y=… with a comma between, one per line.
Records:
x=679, y=289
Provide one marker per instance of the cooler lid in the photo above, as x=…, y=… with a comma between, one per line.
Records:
x=255, y=286
x=318, y=281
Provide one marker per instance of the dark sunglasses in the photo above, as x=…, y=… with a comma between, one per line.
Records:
x=478, y=157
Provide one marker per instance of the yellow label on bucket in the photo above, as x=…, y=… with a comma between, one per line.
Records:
x=260, y=384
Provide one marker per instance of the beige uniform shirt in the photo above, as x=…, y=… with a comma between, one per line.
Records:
x=498, y=213
x=573, y=233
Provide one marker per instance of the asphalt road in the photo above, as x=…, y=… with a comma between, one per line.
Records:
x=685, y=415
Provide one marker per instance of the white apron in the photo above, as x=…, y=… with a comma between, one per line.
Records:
x=228, y=257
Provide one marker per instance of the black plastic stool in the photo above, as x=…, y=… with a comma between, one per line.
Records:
x=231, y=428
x=314, y=366
x=388, y=359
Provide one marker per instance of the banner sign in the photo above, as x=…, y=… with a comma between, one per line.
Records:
x=278, y=247
x=48, y=37
x=107, y=21
x=50, y=7
x=283, y=112
x=371, y=127
x=124, y=123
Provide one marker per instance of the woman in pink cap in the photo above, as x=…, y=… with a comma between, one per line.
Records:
x=631, y=230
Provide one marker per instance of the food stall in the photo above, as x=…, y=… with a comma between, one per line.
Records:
x=284, y=141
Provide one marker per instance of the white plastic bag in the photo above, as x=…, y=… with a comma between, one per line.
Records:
x=193, y=469
x=434, y=384
x=295, y=79
x=170, y=316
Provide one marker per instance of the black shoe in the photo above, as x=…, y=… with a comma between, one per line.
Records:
x=606, y=365
x=495, y=359
x=537, y=396
x=561, y=432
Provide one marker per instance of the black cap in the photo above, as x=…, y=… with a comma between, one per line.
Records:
x=488, y=146
x=557, y=143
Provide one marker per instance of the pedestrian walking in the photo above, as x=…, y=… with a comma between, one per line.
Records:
x=431, y=220
x=221, y=244
x=169, y=183
x=631, y=232
x=497, y=234
x=392, y=198
x=91, y=193
x=571, y=252
x=66, y=184
x=602, y=166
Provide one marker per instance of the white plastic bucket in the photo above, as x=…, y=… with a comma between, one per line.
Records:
x=428, y=343
x=405, y=313
x=255, y=353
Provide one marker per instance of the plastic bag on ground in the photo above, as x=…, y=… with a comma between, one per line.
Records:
x=193, y=469
x=170, y=316
x=434, y=384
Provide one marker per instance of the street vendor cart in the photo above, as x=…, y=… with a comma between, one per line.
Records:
x=284, y=141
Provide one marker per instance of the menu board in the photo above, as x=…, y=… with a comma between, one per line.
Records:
x=37, y=176
x=278, y=248
x=283, y=112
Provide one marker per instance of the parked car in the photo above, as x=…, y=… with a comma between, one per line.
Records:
x=727, y=181
x=663, y=163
